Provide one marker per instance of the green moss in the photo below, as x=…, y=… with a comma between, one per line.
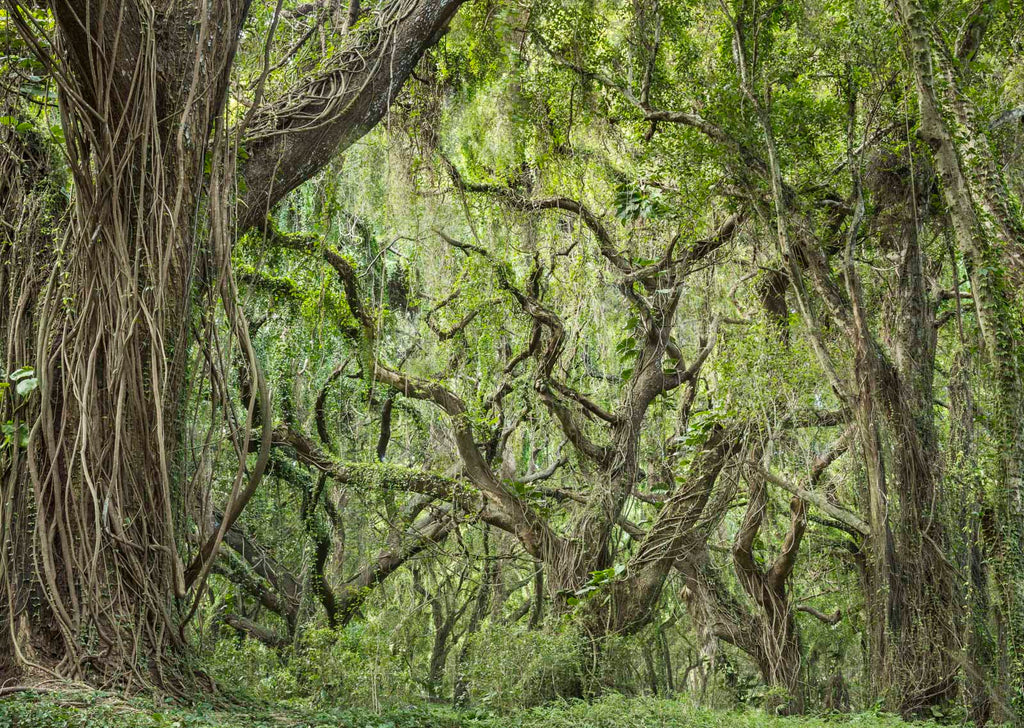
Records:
x=277, y=286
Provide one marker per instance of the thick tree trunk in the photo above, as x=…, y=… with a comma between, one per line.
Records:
x=630, y=605
x=111, y=325
x=94, y=583
x=29, y=197
x=991, y=239
x=926, y=579
x=779, y=657
x=973, y=513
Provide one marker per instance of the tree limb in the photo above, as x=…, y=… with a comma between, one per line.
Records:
x=816, y=499
x=292, y=138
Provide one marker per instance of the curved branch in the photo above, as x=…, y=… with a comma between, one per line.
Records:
x=784, y=563
x=545, y=318
x=313, y=244
x=829, y=619
x=428, y=531
x=258, y=632
x=605, y=240
x=543, y=474
x=294, y=137
x=445, y=335
x=320, y=407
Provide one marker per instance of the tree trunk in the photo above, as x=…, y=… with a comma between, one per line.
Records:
x=111, y=325
x=779, y=657
x=991, y=240
x=29, y=196
x=94, y=585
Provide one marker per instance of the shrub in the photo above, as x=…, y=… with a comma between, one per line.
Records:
x=510, y=668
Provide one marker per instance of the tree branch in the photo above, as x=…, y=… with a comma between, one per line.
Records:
x=816, y=499
x=292, y=138
x=606, y=242
x=263, y=634
x=829, y=619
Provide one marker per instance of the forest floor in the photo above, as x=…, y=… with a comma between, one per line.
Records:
x=107, y=710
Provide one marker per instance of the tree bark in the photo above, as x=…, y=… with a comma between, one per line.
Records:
x=141, y=92
x=990, y=237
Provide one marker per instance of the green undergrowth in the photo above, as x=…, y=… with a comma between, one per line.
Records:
x=105, y=710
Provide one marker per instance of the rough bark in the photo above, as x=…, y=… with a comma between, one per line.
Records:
x=780, y=657
x=989, y=235
x=117, y=356
x=141, y=90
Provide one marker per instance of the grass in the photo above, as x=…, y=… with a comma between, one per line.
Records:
x=106, y=710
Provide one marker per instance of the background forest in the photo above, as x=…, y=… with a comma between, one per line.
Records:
x=495, y=353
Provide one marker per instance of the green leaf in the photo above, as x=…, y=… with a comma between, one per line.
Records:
x=626, y=344
x=14, y=434
x=23, y=373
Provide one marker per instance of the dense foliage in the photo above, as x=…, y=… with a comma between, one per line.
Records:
x=102, y=710
x=495, y=354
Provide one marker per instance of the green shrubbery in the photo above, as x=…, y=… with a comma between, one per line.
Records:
x=508, y=668
x=356, y=666
x=252, y=670
x=364, y=665
x=501, y=668
x=100, y=710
